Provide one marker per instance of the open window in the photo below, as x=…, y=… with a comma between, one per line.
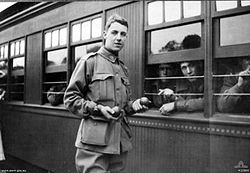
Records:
x=17, y=69
x=86, y=37
x=231, y=63
x=55, y=65
x=175, y=44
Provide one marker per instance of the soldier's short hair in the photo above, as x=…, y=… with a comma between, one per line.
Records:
x=116, y=18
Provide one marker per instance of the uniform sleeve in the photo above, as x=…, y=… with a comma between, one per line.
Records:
x=128, y=107
x=227, y=103
x=75, y=95
x=189, y=105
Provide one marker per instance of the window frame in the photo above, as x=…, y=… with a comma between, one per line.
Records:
x=80, y=21
x=47, y=70
x=75, y=44
x=17, y=72
x=228, y=51
x=181, y=55
x=209, y=46
x=6, y=84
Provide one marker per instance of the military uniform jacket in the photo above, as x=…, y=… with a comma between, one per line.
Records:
x=190, y=103
x=101, y=79
x=234, y=103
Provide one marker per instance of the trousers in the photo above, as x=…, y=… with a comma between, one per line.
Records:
x=93, y=162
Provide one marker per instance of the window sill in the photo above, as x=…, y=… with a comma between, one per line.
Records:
x=218, y=118
x=45, y=109
x=151, y=114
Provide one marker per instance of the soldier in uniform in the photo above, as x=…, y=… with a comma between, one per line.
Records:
x=99, y=93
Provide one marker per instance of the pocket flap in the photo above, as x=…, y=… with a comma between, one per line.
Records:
x=125, y=81
x=95, y=132
x=101, y=76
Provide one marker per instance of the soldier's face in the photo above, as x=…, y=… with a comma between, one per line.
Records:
x=189, y=70
x=246, y=64
x=115, y=37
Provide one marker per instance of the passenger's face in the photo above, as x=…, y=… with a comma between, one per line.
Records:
x=188, y=70
x=246, y=64
x=115, y=37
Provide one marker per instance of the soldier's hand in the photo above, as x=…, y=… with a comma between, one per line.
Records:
x=244, y=77
x=138, y=105
x=107, y=112
x=167, y=94
x=165, y=91
x=167, y=108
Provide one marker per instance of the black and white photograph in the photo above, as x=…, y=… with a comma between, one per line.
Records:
x=140, y=86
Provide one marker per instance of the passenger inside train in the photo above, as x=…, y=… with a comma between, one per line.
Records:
x=236, y=88
x=187, y=93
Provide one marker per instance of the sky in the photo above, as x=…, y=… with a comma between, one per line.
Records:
x=4, y=5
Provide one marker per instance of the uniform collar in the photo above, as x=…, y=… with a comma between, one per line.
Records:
x=108, y=55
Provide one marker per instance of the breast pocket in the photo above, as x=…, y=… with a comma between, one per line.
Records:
x=102, y=87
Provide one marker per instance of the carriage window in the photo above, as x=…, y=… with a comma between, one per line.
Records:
x=17, y=66
x=183, y=80
x=232, y=85
x=170, y=39
x=55, y=66
x=231, y=64
x=225, y=5
x=89, y=38
x=160, y=11
x=245, y=2
x=175, y=66
x=55, y=38
x=155, y=13
x=238, y=35
x=82, y=51
x=87, y=29
x=171, y=83
x=191, y=8
x=173, y=10
x=3, y=69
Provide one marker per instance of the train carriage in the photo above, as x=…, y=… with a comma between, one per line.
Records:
x=41, y=42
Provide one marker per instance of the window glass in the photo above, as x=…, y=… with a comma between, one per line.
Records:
x=3, y=75
x=232, y=85
x=191, y=8
x=56, y=57
x=86, y=30
x=12, y=49
x=48, y=40
x=245, y=2
x=22, y=47
x=63, y=36
x=184, y=81
x=4, y=65
x=225, y=5
x=76, y=32
x=171, y=39
x=172, y=10
x=1, y=52
x=155, y=12
x=18, y=63
x=96, y=27
x=6, y=51
x=17, y=46
x=231, y=33
x=55, y=38
x=82, y=51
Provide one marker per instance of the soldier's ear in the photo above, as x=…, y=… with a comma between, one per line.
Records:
x=104, y=35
